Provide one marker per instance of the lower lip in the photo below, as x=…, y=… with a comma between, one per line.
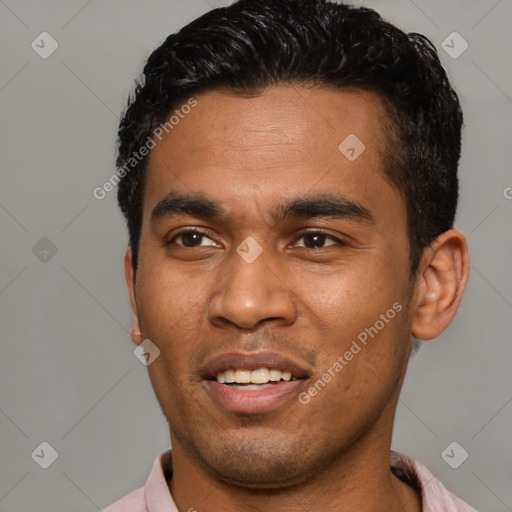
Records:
x=253, y=402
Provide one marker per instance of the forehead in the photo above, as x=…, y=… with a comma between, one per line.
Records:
x=287, y=141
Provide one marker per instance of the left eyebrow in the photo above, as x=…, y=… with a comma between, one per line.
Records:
x=323, y=205
x=314, y=206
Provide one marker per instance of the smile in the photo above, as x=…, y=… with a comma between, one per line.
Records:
x=253, y=383
x=258, y=376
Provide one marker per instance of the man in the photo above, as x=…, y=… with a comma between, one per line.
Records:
x=289, y=179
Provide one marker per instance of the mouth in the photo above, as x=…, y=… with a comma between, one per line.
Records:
x=253, y=383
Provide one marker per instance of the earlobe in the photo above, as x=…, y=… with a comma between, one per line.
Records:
x=135, y=333
x=442, y=279
x=136, y=336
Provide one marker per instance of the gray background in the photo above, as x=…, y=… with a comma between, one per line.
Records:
x=68, y=375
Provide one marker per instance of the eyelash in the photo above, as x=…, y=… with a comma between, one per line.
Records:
x=339, y=241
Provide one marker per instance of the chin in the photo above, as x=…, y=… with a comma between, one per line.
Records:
x=268, y=473
x=257, y=465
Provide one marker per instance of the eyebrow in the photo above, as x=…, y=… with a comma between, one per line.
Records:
x=328, y=205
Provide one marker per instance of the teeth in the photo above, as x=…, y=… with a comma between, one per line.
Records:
x=259, y=376
x=243, y=376
x=274, y=375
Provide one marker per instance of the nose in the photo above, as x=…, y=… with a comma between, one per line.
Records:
x=251, y=294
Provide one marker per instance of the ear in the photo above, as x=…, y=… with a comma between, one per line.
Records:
x=442, y=277
x=135, y=333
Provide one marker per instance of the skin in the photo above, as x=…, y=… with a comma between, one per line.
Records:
x=305, y=297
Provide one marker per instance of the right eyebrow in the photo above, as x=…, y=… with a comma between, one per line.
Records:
x=197, y=205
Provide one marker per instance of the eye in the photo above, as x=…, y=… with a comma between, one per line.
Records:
x=317, y=239
x=310, y=240
x=191, y=238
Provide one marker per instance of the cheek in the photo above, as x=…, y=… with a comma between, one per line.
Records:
x=352, y=298
x=164, y=296
x=360, y=317
x=357, y=379
x=172, y=377
x=169, y=316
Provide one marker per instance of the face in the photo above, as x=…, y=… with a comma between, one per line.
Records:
x=269, y=253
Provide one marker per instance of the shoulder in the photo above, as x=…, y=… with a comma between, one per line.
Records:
x=155, y=492
x=135, y=501
x=434, y=495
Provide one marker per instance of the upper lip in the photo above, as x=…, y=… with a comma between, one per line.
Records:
x=253, y=361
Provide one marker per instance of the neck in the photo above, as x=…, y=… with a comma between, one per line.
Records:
x=358, y=479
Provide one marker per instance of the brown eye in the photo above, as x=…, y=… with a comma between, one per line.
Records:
x=317, y=240
x=191, y=239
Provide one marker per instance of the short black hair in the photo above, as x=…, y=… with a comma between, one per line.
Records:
x=255, y=44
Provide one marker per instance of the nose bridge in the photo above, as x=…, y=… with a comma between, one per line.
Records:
x=250, y=291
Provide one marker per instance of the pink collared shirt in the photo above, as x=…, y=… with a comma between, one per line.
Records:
x=155, y=495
